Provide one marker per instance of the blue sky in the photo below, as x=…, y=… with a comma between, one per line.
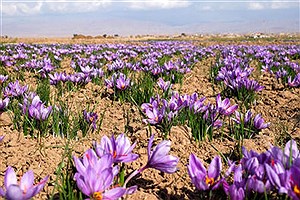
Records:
x=62, y=18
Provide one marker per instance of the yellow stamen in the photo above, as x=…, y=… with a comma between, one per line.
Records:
x=91, y=119
x=209, y=181
x=97, y=196
x=297, y=190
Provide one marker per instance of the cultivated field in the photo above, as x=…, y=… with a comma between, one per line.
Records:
x=208, y=97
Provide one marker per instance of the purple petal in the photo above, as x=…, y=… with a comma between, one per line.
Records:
x=114, y=193
x=161, y=150
x=150, y=143
x=40, y=185
x=215, y=168
x=83, y=187
x=14, y=192
x=27, y=180
x=131, y=190
x=291, y=149
x=195, y=165
x=273, y=177
x=10, y=177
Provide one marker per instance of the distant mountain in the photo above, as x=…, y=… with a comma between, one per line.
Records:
x=55, y=27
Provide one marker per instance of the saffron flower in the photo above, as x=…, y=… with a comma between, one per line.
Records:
x=3, y=79
x=25, y=190
x=95, y=177
x=122, y=83
x=204, y=179
x=224, y=106
x=294, y=186
x=278, y=179
x=14, y=89
x=37, y=109
x=259, y=122
x=3, y=104
x=159, y=158
x=164, y=85
x=236, y=190
x=91, y=118
x=119, y=148
x=155, y=115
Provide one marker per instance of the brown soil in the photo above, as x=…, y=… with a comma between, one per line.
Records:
x=278, y=105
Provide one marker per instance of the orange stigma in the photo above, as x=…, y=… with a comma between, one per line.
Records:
x=272, y=162
x=97, y=196
x=209, y=181
x=114, y=154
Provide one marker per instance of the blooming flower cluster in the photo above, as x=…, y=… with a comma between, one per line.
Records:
x=162, y=112
x=249, y=122
x=97, y=171
x=76, y=78
x=275, y=170
x=35, y=108
x=14, y=89
x=119, y=81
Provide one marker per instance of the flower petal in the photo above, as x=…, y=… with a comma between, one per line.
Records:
x=10, y=177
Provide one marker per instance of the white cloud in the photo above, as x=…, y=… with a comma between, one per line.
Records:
x=77, y=7
x=283, y=4
x=21, y=8
x=256, y=6
x=41, y=7
x=159, y=4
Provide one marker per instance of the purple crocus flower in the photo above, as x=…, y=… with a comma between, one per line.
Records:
x=259, y=122
x=1, y=138
x=155, y=115
x=14, y=89
x=3, y=79
x=291, y=150
x=57, y=77
x=236, y=190
x=3, y=104
x=164, y=85
x=278, y=178
x=109, y=83
x=224, y=106
x=91, y=118
x=202, y=179
x=122, y=82
x=37, y=109
x=286, y=158
x=294, y=183
x=295, y=82
x=254, y=165
x=95, y=177
x=119, y=148
x=246, y=117
x=90, y=159
x=25, y=190
x=159, y=158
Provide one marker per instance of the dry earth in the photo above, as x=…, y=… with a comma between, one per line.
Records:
x=278, y=105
